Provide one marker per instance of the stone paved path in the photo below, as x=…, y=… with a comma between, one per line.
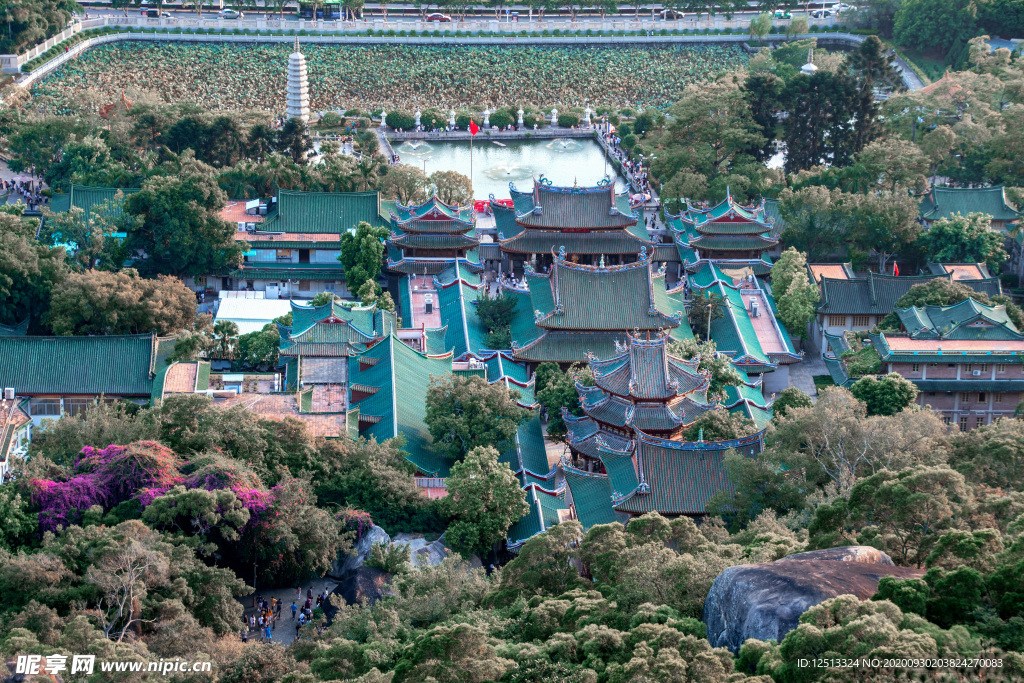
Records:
x=801, y=374
x=284, y=630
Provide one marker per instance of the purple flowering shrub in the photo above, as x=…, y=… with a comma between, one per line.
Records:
x=62, y=502
x=126, y=469
x=354, y=520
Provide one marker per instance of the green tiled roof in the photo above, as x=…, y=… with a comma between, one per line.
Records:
x=731, y=228
x=505, y=221
x=524, y=329
x=413, y=266
x=567, y=347
x=400, y=376
x=771, y=210
x=733, y=242
x=783, y=332
x=456, y=305
x=670, y=302
x=574, y=207
x=837, y=371
x=257, y=244
x=433, y=209
x=435, y=340
x=17, y=330
x=323, y=212
x=758, y=415
x=734, y=333
x=425, y=241
x=943, y=202
x=596, y=242
x=369, y=320
x=503, y=368
x=460, y=269
x=681, y=477
x=965, y=320
x=87, y=198
x=667, y=253
x=993, y=354
x=645, y=371
x=582, y=296
x=542, y=514
x=872, y=295
x=112, y=365
x=251, y=270
x=591, y=496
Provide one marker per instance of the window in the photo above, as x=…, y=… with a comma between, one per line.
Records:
x=984, y=367
x=946, y=421
x=862, y=321
x=45, y=406
x=77, y=406
x=200, y=281
x=979, y=421
x=982, y=398
x=916, y=367
x=964, y=397
x=328, y=286
x=969, y=367
x=998, y=397
x=963, y=424
x=837, y=321
x=284, y=254
x=1001, y=367
x=303, y=285
x=933, y=365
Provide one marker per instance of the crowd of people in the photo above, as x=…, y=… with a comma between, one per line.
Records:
x=372, y=77
x=263, y=620
x=27, y=190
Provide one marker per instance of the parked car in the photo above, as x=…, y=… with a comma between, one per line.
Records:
x=437, y=16
x=782, y=14
x=671, y=14
x=821, y=13
x=230, y=14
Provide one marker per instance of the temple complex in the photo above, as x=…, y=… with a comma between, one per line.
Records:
x=590, y=224
x=727, y=232
x=425, y=237
x=628, y=452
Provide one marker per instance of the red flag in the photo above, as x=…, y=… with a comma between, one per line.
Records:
x=473, y=128
x=896, y=269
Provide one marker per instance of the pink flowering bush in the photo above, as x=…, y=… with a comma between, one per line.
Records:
x=127, y=469
x=62, y=502
x=354, y=520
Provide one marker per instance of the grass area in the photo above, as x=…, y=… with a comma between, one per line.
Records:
x=932, y=64
x=822, y=381
x=862, y=362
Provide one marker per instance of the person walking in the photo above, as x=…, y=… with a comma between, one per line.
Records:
x=294, y=609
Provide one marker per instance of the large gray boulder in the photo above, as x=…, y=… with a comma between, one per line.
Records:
x=765, y=601
x=422, y=553
x=345, y=565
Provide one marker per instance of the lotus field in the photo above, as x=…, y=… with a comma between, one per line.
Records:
x=246, y=77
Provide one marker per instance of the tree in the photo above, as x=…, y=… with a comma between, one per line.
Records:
x=706, y=306
x=485, y=499
x=179, y=231
x=816, y=220
x=404, y=183
x=226, y=333
x=451, y=187
x=293, y=139
x=884, y=222
x=29, y=271
x=992, y=455
x=964, y=239
x=458, y=653
x=99, y=302
x=371, y=294
x=92, y=239
x=496, y=313
x=547, y=562
x=790, y=398
x=894, y=162
x=723, y=372
x=885, y=395
x=760, y=25
x=819, y=127
x=719, y=425
x=947, y=292
x=795, y=295
x=466, y=412
x=875, y=68
x=362, y=254
x=260, y=348
x=797, y=27
x=934, y=24
x=556, y=390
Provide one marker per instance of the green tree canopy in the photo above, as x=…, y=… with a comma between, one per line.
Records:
x=963, y=239
x=795, y=295
x=886, y=395
x=466, y=412
x=362, y=254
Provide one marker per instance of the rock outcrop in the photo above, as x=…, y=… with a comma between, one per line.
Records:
x=765, y=601
x=422, y=552
x=346, y=564
x=356, y=582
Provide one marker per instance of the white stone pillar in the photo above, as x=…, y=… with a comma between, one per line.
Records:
x=554, y=116
x=417, y=118
x=487, y=119
x=520, y=112
x=586, y=117
x=451, y=118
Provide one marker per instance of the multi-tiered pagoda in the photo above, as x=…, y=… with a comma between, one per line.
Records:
x=426, y=237
x=726, y=232
x=591, y=224
x=628, y=455
x=574, y=310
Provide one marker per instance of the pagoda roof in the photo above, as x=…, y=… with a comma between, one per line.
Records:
x=416, y=266
x=559, y=346
x=431, y=211
x=965, y=320
x=502, y=367
x=620, y=413
x=116, y=365
x=599, y=242
x=504, y=220
x=733, y=242
x=369, y=320
x=433, y=241
x=457, y=292
x=575, y=297
x=15, y=330
x=904, y=349
x=570, y=207
x=944, y=202
x=591, y=497
x=394, y=380
x=644, y=370
x=727, y=216
x=676, y=477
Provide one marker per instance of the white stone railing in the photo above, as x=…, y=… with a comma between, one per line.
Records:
x=336, y=29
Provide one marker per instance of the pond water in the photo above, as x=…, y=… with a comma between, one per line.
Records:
x=562, y=160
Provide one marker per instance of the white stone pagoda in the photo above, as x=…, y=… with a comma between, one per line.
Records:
x=298, y=86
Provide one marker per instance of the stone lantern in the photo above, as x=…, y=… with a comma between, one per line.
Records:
x=586, y=116
x=487, y=120
x=383, y=120
x=520, y=112
x=417, y=118
x=451, y=118
x=554, y=117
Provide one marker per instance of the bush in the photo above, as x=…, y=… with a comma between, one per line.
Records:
x=462, y=120
x=400, y=120
x=529, y=120
x=330, y=119
x=568, y=120
x=629, y=141
x=502, y=118
x=432, y=118
x=624, y=130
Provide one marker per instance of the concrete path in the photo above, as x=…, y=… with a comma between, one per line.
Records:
x=801, y=374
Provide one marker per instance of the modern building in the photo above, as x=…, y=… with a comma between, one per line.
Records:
x=69, y=374
x=967, y=360
x=251, y=315
x=294, y=249
x=627, y=453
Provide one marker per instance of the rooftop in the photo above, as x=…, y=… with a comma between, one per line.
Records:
x=835, y=271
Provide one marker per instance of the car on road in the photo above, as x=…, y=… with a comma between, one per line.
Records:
x=671, y=14
x=437, y=16
x=782, y=14
x=821, y=13
x=230, y=14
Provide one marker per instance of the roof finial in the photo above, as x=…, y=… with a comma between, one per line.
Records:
x=296, y=43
